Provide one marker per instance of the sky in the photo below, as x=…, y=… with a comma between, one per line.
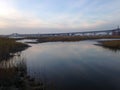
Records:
x=54, y=16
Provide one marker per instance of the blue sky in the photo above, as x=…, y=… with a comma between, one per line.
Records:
x=49, y=16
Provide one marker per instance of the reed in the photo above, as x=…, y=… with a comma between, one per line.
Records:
x=115, y=44
x=72, y=38
x=8, y=46
x=15, y=78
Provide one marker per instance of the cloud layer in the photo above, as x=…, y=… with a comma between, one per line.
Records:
x=44, y=16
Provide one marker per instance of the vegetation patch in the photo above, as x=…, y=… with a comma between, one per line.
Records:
x=8, y=46
x=16, y=78
x=72, y=38
x=114, y=44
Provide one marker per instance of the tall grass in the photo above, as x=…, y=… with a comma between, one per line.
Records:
x=8, y=46
x=115, y=44
x=14, y=76
x=72, y=38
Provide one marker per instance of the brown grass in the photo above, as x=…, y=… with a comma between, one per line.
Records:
x=8, y=46
x=72, y=38
x=112, y=44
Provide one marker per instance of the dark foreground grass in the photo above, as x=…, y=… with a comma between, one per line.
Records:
x=16, y=78
x=8, y=46
x=114, y=44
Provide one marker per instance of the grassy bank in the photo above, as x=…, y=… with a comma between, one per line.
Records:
x=115, y=44
x=8, y=46
x=72, y=38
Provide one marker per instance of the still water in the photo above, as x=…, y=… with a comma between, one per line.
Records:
x=72, y=65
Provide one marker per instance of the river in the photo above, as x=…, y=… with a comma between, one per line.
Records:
x=72, y=65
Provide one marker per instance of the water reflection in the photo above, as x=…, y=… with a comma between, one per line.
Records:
x=65, y=66
x=10, y=71
x=74, y=66
x=112, y=49
x=13, y=62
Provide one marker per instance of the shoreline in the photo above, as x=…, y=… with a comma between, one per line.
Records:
x=23, y=80
x=9, y=46
x=112, y=44
x=15, y=78
x=68, y=38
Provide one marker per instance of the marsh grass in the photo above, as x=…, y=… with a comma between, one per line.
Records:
x=72, y=38
x=15, y=78
x=8, y=46
x=114, y=44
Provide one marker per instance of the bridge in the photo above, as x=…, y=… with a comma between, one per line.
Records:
x=112, y=32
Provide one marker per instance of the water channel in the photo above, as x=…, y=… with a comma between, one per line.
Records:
x=71, y=65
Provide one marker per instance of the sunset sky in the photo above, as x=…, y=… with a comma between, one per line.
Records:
x=51, y=16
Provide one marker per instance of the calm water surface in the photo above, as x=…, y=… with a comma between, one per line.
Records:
x=73, y=65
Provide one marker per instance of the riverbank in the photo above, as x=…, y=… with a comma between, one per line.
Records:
x=10, y=46
x=69, y=38
x=114, y=44
x=15, y=77
x=56, y=62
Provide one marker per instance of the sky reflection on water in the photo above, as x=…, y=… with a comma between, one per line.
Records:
x=74, y=65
